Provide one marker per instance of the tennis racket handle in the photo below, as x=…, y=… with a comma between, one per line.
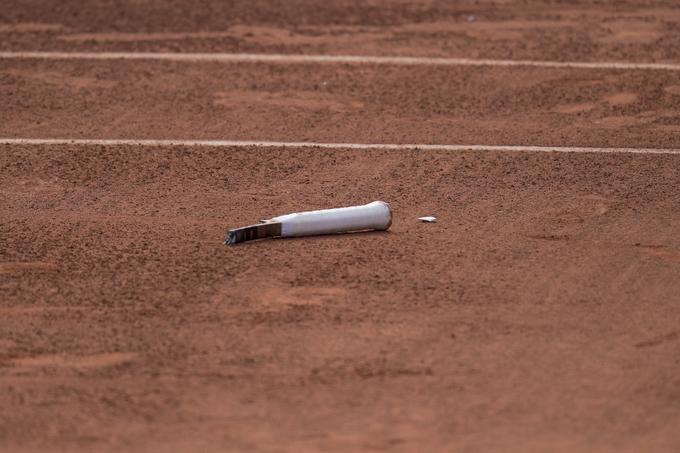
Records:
x=371, y=216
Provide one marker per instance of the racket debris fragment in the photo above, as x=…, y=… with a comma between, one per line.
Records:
x=372, y=216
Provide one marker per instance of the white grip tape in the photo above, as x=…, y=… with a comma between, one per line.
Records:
x=372, y=216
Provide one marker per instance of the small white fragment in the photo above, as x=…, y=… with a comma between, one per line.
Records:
x=428, y=219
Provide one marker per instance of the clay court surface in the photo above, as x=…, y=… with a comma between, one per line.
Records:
x=540, y=314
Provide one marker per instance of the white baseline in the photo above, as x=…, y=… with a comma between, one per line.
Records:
x=341, y=59
x=322, y=145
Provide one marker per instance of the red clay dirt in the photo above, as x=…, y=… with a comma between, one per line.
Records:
x=641, y=30
x=539, y=314
x=340, y=103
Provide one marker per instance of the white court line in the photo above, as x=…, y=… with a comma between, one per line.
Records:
x=348, y=59
x=387, y=146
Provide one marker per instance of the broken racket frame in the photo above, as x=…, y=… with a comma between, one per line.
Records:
x=372, y=216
